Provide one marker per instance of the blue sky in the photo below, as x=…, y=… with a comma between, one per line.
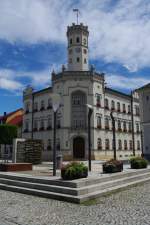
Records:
x=33, y=43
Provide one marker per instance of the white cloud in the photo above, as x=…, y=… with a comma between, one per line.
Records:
x=8, y=83
x=126, y=83
x=119, y=30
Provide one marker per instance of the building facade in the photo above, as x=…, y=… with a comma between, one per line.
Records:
x=144, y=98
x=79, y=85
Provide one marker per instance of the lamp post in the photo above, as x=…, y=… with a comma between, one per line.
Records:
x=90, y=111
x=114, y=134
x=55, y=105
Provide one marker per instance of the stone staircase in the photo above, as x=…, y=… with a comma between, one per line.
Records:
x=76, y=191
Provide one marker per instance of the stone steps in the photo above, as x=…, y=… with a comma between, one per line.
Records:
x=76, y=191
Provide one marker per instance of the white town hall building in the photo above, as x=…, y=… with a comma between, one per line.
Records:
x=79, y=84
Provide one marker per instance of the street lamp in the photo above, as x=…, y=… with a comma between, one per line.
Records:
x=114, y=134
x=90, y=111
x=55, y=104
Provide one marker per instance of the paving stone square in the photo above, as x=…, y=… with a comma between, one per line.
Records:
x=128, y=207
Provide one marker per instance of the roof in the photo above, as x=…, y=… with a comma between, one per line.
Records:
x=144, y=87
x=13, y=118
x=115, y=92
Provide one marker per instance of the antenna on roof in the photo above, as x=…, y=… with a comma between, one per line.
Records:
x=77, y=14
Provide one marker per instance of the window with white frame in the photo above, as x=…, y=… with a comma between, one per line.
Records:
x=99, y=143
x=99, y=121
x=107, y=144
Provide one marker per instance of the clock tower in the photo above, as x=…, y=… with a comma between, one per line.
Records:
x=77, y=35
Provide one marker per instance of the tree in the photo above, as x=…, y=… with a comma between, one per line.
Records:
x=7, y=134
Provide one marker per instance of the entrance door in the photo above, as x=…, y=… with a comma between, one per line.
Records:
x=78, y=148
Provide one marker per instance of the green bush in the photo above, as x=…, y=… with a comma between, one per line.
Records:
x=112, y=166
x=138, y=163
x=74, y=170
x=7, y=134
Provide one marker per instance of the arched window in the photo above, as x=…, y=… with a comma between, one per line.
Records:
x=78, y=110
x=129, y=109
x=107, y=145
x=58, y=144
x=138, y=145
x=106, y=103
x=42, y=124
x=49, y=145
x=84, y=41
x=35, y=106
x=49, y=123
x=130, y=145
x=119, y=144
x=112, y=105
x=99, y=122
x=78, y=59
x=118, y=106
x=70, y=40
x=27, y=107
x=49, y=103
x=106, y=123
x=124, y=126
x=42, y=105
x=35, y=125
x=130, y=127
x=85, y=62
x=99, y=143
x=78, y=40
x=98, y=100
x=137, y=128
x=119, y=125
x=124, y=108
x=26, y=126
x=125, y=145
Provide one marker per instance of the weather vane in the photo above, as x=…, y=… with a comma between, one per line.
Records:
x=77, y=13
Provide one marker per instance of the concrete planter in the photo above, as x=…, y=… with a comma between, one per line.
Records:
x=113, y=166
x=73, y=177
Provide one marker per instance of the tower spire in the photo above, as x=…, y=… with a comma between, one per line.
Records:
x=77, y=14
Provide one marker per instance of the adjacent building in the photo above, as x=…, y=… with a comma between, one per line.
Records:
x=144, y=97
x=78, y=85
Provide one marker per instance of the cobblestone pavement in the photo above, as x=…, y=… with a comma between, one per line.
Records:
x=129, y=207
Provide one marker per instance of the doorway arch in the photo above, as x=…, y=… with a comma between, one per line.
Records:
x=78, y=148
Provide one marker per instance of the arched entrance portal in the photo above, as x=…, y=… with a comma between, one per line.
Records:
x=78, y=148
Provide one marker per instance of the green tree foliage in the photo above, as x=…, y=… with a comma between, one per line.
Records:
x=7, y=134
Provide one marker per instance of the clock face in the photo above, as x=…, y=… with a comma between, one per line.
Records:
x=78, y=50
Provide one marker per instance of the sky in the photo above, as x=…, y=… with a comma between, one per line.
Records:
x=33, y=42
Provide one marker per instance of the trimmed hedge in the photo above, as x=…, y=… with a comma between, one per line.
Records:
x=138, y=163
x=74, y=170
x=7, y=133
x=112, y=166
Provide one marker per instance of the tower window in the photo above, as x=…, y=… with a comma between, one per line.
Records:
x=85, y=61
x=84, y=41
x=70, y=60
x=77, y=39
x=78, y=59
x=70, y=40
x=85, y=51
